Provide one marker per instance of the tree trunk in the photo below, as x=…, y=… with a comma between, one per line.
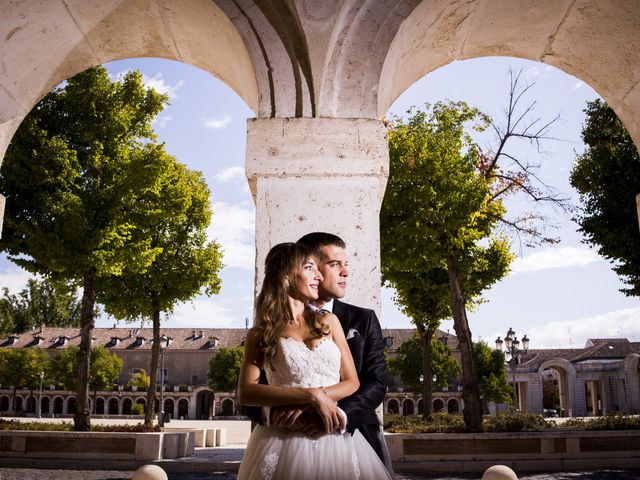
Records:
x=472, y=412
x=427, y=371
x=81, y=419
x=153, y=370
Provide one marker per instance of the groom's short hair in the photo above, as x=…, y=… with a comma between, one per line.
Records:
x=317, y=240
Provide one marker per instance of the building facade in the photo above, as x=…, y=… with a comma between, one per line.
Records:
x=600, y=378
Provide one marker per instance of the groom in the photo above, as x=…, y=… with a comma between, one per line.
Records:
x=364, y=336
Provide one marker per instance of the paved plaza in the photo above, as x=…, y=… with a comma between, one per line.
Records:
x=220, y=463
x=30, y=474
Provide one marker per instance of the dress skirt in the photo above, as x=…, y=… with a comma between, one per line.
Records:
x=274, y=454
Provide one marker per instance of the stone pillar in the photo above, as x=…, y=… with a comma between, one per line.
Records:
x=321, y=174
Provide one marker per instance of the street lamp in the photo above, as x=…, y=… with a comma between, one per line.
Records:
x=514, y=354
x=164, y=342
x=40, y=396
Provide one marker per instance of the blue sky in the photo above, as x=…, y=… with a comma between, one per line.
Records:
x=559, y=296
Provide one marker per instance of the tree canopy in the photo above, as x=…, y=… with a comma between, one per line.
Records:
x=224, y=369
x=77, y=177
x=492, y=372
x=42, y=302
x=407, y=363
x=105, y=368
x=437, y=222
x=21, y=367
x=607, y=177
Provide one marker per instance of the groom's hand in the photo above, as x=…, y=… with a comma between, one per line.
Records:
x=287, y=416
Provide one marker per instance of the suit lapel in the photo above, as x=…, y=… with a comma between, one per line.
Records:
x=341, y=311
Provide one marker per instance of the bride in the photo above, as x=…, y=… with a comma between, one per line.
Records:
x=308, y=363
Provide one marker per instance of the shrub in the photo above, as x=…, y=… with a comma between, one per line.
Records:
x=524, y=422
x=137, y=409
x=68, y=427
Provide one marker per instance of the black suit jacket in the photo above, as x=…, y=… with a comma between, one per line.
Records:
x=367, y=348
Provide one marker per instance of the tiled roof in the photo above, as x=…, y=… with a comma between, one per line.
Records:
x=401, y=335
x=129, y=338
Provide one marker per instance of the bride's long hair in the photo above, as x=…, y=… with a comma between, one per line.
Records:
x=273, y=312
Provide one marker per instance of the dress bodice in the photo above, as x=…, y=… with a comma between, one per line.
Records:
x=296, y=365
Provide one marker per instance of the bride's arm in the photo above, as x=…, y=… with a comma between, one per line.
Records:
x=251, y=392
x=349, y=382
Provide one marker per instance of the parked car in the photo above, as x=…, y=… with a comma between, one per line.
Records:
x=550, y=412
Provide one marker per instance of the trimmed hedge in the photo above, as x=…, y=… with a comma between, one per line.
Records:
x=525, y=422
x=68, y=427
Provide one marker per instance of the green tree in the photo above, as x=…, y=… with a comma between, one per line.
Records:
x=42, y=302
x=607, y=177
x=186, y=263
x=77, y=176
x=492, y=373
x=407, y=363
x=105, y=369
x=438, y=207
x=224, y=369
x=140, y=380
x=21, y=367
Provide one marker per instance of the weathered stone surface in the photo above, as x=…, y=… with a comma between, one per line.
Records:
x=320, y=175
x=149, y=472
x=499, y=472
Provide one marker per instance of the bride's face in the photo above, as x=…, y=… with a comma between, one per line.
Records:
x=306, y=280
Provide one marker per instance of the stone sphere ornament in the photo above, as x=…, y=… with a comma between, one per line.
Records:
x=149, y=472
x=499, y=472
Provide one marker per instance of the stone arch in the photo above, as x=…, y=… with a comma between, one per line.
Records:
x=566, y=372
x=453, y=406
x=127, y=403
x=183, y=408
x=30, y=403
x=4, y=403
x=113, y=406
x=100, y=406
x=205, y=403
x=46, y=45
x=393, y=406
x=71, y=404
x=169, y=406
x=19, y=402
x=438, y=405
x=408, y=407
x=58, y=405
x=632, y=380
x=227, y=407
x=45, y=405
x=596, y=42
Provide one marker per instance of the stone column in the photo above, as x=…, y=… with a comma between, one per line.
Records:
x=321, y=174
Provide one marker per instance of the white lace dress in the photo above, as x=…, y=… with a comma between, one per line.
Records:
x=273, y=454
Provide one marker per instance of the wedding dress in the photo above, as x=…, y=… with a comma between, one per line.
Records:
x=275, y=454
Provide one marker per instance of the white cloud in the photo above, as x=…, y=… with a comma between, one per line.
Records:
x=233, y=227
x=158, y=83
x=575, y=333
x=230, y=174
x=161, y=121
x=14, y=278
x=204, y=312
x=578, y=85
x=562, y=257
x=217, y=124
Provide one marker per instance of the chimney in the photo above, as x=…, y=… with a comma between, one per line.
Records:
x=193, y=334
x=201, y=334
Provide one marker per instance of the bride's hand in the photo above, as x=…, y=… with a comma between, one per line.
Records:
x=327, y=409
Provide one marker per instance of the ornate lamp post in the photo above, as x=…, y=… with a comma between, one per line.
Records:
x=514, y=354
x=40, y=396
x=164, y=343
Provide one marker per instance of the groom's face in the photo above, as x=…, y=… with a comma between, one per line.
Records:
x=334, y=270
